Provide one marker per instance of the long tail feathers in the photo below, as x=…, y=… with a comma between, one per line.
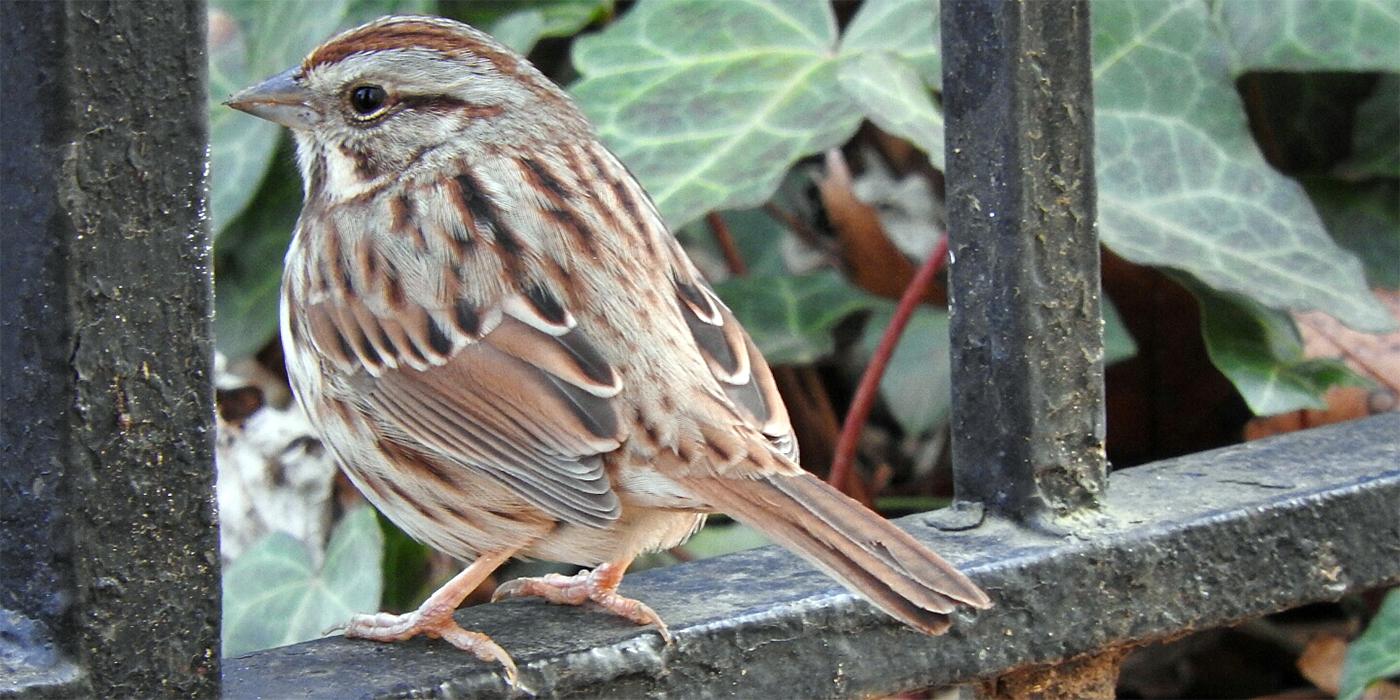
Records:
x=862, y=550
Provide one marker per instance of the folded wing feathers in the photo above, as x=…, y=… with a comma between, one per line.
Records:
x=573, y=491
x=491, y=411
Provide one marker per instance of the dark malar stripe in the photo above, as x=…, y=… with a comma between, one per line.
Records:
x=316, y=180
x=484, y=214
x=365, y=166
x=335, y=257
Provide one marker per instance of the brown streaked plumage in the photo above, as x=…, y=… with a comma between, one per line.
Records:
x=489, y=324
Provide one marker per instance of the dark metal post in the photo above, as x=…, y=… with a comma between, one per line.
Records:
x=108, y=541
x=1028, y=422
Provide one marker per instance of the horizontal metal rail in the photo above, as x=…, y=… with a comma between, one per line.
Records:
x=1189, y=543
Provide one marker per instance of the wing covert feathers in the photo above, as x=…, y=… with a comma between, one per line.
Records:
x=866, y=553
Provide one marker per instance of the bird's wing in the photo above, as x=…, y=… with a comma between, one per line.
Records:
x=495, y=379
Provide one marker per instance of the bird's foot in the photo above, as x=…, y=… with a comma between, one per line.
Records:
x=435, y=622
x=598, y=586
x=434, y=618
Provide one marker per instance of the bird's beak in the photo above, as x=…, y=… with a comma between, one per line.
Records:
x=279, y=99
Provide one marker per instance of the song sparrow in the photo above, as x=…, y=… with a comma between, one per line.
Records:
x=490, y=325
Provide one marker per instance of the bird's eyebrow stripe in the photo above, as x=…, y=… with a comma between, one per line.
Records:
x=448, y=103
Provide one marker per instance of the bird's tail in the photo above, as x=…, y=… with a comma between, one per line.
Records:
x=866, y=553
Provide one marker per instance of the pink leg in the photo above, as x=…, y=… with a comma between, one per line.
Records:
x=434, y=617
x=599, y=586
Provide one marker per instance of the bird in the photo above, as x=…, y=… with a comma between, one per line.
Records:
x=491, y=328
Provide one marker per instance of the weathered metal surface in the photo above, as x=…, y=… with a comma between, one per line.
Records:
x=1028, y=398
x=1183, y=544
x=108, y=546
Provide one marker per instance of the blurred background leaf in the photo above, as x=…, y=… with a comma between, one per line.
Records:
x=1260, y=350
x=1182, y=183
x=251, y=40
x=713, y=119
x=906, y=28
x=896, y=98
x=791, y=317
x=520, y=24
x=275, y=594
x=1376, y=653
x=1375, y=149
x=248, y=263
x=1365, y=219
x=1311, y=35
x=917, y=386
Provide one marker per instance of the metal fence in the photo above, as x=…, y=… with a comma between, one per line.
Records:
x=109, y=566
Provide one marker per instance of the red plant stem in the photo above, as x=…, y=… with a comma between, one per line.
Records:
x=870, y=381
x=732, y=258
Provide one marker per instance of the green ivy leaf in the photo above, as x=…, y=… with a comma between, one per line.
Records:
x=891, y=93
x=1376, y=653
x=1118, y=343
x=520, y=24
x=361, y=11
x=274, y=595
x=248, y=264
x=1182, y=184
x=791, y=317
x=251, y=40
x=906, y=28
x=757, y=236
x=1365, y=219
x=1312, y=35
x=713, y=119
x=917, y=384
x=1260, y=351
x=1375, y=150
x=891, y=60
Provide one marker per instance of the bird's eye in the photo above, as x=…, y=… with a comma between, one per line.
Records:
x=368, y=99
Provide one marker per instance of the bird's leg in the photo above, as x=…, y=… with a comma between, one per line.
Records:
x=599, y=586
x=434, y=617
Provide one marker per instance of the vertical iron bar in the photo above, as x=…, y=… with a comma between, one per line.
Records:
x=108, y=543
x=1028, y=421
